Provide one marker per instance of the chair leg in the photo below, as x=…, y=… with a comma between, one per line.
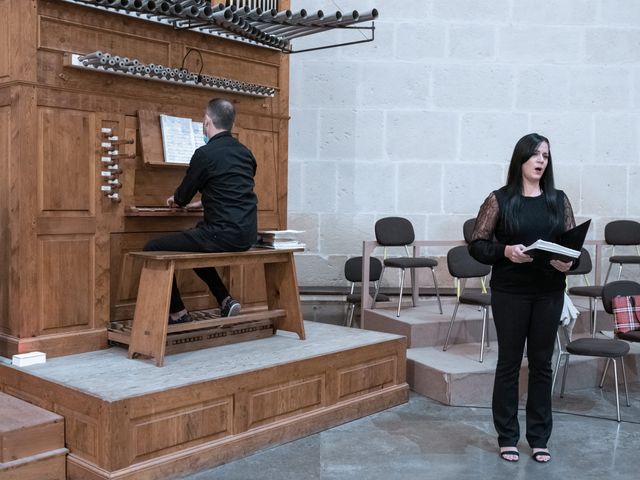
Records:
x=620, y=272
x=486, y=309
x=564, y=375
x=435, y=284
x=555, y=371
x=607, y=275
x=615, y=379
x=453, y=317
x=375, y=293
x=414, y=287
x=606, y=367
x=595, y=317
x=624, y=377
x=346, y=315
x=484, y=329
x=352, y=309
x=401, y=287
x=591, y=321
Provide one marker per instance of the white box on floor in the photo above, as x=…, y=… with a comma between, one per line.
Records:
x=31, y=358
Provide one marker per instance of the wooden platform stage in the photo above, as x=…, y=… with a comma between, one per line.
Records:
x=128, y=419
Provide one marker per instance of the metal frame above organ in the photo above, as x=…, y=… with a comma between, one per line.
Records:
x=253, y=21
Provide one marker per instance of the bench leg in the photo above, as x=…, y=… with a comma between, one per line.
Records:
x=149, y=329
x=282, y=292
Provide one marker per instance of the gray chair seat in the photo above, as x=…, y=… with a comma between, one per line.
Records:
x=633, y=336
x=356, y=298
x=410, y=262
x=632, y=259
x=598, y=347
x=587, y=291
x=476, y=298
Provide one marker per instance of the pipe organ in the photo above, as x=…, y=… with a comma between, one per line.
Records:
x=84, y=178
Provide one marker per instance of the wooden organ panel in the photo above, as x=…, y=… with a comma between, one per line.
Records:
x=69, y=206
x=67, y=280
x=4, y=40
x=65, y=178
x=71, y=35
x=5, y=239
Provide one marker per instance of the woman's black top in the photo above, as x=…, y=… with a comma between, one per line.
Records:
x=535, y=221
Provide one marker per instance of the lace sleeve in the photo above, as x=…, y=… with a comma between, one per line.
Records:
x=483, y=247
x=486, y=219
x=569, y=220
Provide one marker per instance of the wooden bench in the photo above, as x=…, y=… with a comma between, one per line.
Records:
x=149, y=329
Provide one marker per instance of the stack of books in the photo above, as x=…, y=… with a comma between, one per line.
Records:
x=277, y=239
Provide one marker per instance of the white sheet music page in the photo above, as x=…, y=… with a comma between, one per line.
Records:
x=178, y=141
x=197, y=134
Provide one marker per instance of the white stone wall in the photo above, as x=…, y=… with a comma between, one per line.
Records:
x=421, y=123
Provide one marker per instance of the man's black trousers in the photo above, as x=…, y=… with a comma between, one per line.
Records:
x=194, y=240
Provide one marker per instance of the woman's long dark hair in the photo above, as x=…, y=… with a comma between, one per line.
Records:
x=523, y=151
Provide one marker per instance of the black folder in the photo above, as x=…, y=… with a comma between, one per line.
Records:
x=575, y=237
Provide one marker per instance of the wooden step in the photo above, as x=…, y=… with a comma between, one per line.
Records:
x=31, y=441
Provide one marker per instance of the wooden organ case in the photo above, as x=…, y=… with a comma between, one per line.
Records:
x=63, y=240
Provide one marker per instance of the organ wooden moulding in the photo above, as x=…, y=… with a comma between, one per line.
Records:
x=63, y=236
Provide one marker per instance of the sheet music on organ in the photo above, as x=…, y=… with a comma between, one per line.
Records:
x=180, y=138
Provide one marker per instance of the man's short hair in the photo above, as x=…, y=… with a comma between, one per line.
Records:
x=222, y=113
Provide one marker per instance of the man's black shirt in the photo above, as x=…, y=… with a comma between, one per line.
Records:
x=223, y=172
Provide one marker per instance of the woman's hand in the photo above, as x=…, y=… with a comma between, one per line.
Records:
x=516, y=255
x=560, y=265
x=197, y=205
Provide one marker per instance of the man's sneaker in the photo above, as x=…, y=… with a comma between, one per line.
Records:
x=231, y=308
x=183, y=319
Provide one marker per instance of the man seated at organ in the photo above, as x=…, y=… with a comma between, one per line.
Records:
x=223, y=171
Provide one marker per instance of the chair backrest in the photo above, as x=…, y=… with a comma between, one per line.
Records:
x=620, y=287
x=622, y=232
x=584, y=264
x=394, y=232
x=467, y=229
x=353, y=269
x=462, y=265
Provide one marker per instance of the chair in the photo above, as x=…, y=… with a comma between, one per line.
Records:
x=398, y=232
x=463, y=266
x=353, y=273
x=467, y=229
x=622, y=232
x=611, y=349
x=593, y=292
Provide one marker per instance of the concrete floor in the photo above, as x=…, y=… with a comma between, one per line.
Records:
x=424, y=439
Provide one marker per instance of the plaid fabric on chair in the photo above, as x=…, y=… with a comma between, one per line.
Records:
x=626, y=313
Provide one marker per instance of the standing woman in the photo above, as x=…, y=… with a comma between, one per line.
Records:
x=526, y=295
